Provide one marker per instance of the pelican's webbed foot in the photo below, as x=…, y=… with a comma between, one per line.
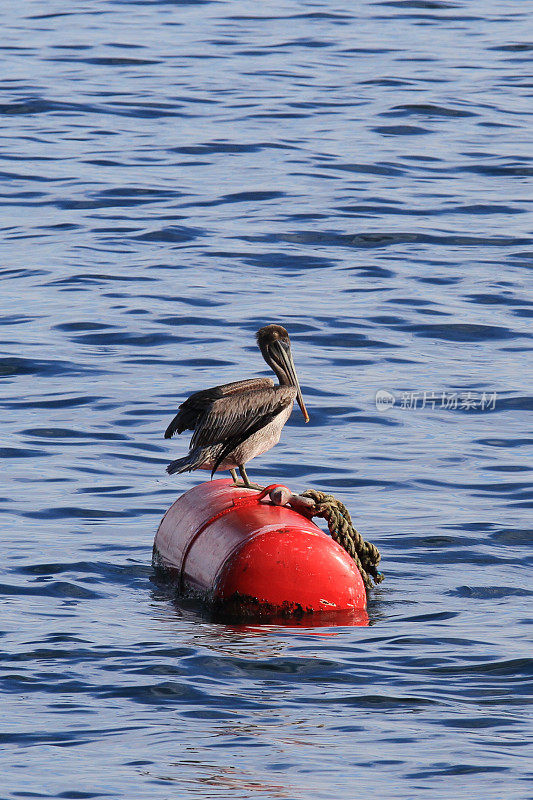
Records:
x=246, y=482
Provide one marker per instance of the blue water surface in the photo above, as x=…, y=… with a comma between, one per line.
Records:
x=174, y=176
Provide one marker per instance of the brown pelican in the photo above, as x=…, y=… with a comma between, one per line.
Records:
x=235, y=422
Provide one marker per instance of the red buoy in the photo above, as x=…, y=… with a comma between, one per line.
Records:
x=235, y=549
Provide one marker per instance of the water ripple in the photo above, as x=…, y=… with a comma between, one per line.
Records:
x=174, y=176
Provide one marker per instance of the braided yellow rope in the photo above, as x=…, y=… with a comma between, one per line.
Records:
x=365, y=554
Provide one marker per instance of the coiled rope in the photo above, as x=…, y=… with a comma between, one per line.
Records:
x=365, y=554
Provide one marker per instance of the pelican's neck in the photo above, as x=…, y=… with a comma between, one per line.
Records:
x=283, y=378
x=281, y=375
x=277, y=369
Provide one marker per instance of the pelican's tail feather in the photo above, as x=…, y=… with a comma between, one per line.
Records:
x=193, y=460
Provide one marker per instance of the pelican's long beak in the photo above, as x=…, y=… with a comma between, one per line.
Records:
x=285, y=353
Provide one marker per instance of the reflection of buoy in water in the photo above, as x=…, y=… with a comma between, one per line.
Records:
x=232, y=547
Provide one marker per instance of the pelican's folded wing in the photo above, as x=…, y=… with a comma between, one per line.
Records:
x=192, y=409
x=258, y=417
x=232, y=419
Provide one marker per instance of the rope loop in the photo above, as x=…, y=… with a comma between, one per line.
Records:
x=342, y=530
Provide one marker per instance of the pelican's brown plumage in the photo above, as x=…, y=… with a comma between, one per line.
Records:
x=237, y=421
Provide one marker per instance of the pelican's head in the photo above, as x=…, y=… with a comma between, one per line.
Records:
x=275, y=346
